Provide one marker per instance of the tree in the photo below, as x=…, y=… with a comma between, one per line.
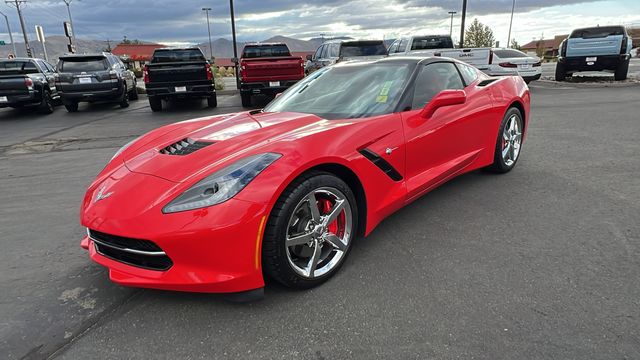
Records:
x=478, y=35
x=540, y=50
x=515, y=45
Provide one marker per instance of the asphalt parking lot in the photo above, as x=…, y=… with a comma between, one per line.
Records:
x=539, y=263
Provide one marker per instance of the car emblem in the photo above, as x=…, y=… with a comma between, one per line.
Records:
x=102, y=195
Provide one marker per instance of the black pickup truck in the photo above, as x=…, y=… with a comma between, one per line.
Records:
x=176, y=73
x=28, y=82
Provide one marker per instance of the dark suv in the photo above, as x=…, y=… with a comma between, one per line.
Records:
x=94, y=78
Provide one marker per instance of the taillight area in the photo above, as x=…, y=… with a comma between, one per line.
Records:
x=490, y=57
x=145, y=74
x=623, y=46
x=539, y=63
x=29, y=83
x=209, y=71
x=113, y=75
x=507, y=65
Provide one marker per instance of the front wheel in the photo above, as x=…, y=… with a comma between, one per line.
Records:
x=310, y=231
x=133, y=95
x=509, y=142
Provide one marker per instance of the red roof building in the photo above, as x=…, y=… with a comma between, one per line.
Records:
x=140, y=53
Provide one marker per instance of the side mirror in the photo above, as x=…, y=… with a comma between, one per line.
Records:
x=442, y=99
x=309, y=57
x=234, y=60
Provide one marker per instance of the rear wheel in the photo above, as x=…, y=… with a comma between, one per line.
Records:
x=621, y=71
x=212, y=101
x=561, y=72
x=246, y=100
x=310, y=231
x=71, y=106
x=46, y=106
x=124, y=101
x=155, y=103
x=509, y=142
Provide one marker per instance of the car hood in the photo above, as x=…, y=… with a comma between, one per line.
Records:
x=197, y=147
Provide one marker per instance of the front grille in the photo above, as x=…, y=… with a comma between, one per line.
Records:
x=184, y=147
x=136, y=252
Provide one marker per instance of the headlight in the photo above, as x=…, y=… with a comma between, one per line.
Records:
x=124, y=147
x=222, y=185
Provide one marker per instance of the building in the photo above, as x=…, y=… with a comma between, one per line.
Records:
x=136, y=54
x=549, y=46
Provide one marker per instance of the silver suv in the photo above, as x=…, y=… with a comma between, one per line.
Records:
x=334, y=51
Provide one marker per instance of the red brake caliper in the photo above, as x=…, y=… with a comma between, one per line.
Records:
x=334, y=227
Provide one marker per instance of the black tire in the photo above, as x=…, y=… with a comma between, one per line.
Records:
x=212, y=101
x=155, y=103
x=133, y=95
x=246, y=100
x=124, y=101
x=46, y=106
x=500, y=165
x=71, y=106
x=621, y=71
x=561, y=72
x=275, y=261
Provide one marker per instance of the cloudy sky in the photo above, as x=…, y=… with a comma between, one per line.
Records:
x=182, y=21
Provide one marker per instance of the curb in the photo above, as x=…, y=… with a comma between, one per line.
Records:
x=631, y=82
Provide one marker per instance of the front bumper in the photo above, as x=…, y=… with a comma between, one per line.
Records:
x=580, y=63
x=214, y=250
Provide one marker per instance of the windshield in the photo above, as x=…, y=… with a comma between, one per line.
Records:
x=177, y=55
x=432, y=42
x=265, y=51
x=371, y=48
x=346, y=92
x=17, y=68
x=76, y=65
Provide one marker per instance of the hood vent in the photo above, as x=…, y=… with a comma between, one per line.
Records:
x=184, y=147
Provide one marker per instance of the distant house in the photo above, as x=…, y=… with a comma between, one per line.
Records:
x=549, y=46
x=137, y=54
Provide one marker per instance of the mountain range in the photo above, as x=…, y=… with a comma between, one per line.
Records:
x=222, y=48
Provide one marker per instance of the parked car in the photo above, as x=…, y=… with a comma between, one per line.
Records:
x=334, y=51
x=179, y=73
x=514, y=62
x=217, y=204
x=602, y=48
x=28, y=82
x=267, y=69
x=94, y=78
x=427, y=45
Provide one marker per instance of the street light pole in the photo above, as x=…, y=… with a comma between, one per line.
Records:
x=10, y=35
x=73, y=29
x=235, y=46
x=464, y=15
x=513, y=6
x=206, y=10
x=17, y=4
x=451, y=27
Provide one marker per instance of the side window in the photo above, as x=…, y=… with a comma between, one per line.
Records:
x=402, y=46
x=432, y=79
x=316, y=56
x=335, y=48
x=50, y=67
x=325, y=51
x=469, y=74
x=394, y=47
x=42, y=66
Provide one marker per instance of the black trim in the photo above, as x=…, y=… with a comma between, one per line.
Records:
x=382, y=164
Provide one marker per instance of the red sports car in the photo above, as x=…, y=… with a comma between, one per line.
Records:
x=216, y=204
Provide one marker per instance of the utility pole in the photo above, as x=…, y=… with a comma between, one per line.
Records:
x=10, y=35
x=451, y=27
x=18, y=4
x=464, y=15
x=513, y=6
x=73, y=29
x=235, y=46
x=206, y=10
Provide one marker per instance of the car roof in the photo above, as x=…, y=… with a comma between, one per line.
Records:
x=342, y=41
x=79, y=56
x=177, y=48
x=264, y=44
x=22, y=59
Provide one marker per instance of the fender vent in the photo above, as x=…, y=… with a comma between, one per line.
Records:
x=486, y=82
x=184, y=147
x=382, y=164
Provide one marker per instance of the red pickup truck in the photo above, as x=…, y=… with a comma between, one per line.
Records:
x=267, y=68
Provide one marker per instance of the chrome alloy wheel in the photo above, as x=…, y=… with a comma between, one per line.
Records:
x=319, y=232
x=511, y=140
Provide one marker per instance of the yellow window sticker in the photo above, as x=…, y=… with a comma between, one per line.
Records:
x=384, y=92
